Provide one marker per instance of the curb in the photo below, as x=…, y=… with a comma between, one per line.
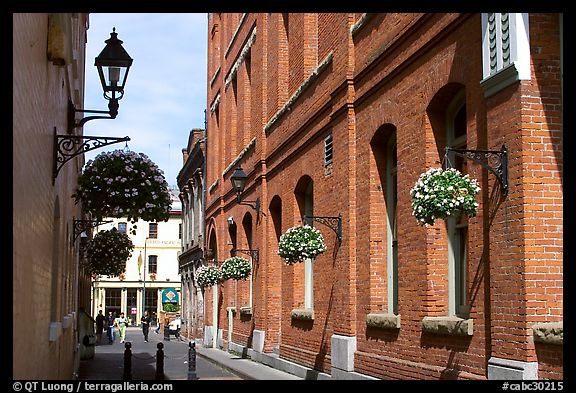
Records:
x=224, y=366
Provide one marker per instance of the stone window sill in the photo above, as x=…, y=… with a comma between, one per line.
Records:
x=305, y=314
x=448, y=325
x=500, y=80
x=549, y=332
x=383, y=321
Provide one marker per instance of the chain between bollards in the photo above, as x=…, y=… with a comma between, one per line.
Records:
x=127, y=375
x=160, y=362
x=192, y=360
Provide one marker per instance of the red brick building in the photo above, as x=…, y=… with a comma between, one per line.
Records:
x=337, y=115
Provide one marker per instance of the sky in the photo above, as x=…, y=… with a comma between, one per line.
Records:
x=165, y=93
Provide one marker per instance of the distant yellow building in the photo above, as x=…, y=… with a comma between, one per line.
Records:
x=151, y=278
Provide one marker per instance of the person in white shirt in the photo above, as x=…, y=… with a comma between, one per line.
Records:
x=175, y=326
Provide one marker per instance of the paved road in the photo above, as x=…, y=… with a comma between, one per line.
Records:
x=108, y=361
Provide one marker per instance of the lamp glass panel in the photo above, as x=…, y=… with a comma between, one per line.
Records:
x=238, y=184
x=114, y=74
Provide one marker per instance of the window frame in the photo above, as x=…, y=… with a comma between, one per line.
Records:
x=123, y=224
x=328, y=149
x=153, y=258
x=153, y=234
x=457, y=226
x=392, y=224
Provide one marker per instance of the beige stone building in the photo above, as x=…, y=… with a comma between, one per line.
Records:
x=48, y=288
x=151, y=277
x=192, y=194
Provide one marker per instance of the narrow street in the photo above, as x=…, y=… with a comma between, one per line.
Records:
x=108, y=361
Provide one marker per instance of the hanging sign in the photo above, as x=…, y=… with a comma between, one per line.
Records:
x=170, y=295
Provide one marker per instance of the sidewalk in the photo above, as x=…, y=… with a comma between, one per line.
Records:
x=246, y=368
x=211, y=364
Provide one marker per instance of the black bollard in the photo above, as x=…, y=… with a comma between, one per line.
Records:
x=127, y=375
x=192, y=360
x=160, y=362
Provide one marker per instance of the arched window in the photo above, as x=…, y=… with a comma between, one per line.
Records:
x=392, y=243
x=305, y=198
x=383, y=222
x=247, y=226
x=457, y=226
x=276, y=214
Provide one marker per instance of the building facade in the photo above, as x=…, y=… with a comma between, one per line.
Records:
x=49, y=289
x=192, y=193
x=151, y=278
x=335, y=116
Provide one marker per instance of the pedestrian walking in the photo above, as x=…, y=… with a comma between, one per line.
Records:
x=110, y=322
x=145, y=320
x=100, y=318
x=157, y=322
x=122, y=322
x=175, y=326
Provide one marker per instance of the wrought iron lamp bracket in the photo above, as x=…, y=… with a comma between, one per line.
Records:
x=83, y=225
x=254, y=254
x=112, y=112
x=253, y=204
x=334, y=223
x=67, y=147
x=494, y=161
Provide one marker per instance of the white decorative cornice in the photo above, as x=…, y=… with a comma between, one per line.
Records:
x=241, y=57
x=215, y=103
x=213, y=185
x=239, y=156
x=215, y=75
x=235, y=34
x=313, y=76
x=361, y=22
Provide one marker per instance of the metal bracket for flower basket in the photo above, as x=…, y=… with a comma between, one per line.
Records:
x=254, y=254
x=67, y=147
x=83, y=225
x=334, y=223
x=492, y=160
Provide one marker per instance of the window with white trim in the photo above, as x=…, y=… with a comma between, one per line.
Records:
x=392, y=243
x=457, y=225
x=505, y=50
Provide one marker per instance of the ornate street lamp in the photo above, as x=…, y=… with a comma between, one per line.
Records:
x=113, y=64
x=238, y=180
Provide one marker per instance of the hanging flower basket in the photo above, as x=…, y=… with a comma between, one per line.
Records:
x=107, y=253
x=208, y=275
x=124, y=184
x=236, y=268
x=300, y=243
x=440, y=193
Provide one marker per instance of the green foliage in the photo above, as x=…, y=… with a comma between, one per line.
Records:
x=439, y=193
x=170, y=307
x=107, y=253
x=208, y=275
x=124, y=184
x=300, y=243
x=236, y=268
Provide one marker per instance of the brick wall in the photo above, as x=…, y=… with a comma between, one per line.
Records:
x=44, y=275
x=364, y=78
